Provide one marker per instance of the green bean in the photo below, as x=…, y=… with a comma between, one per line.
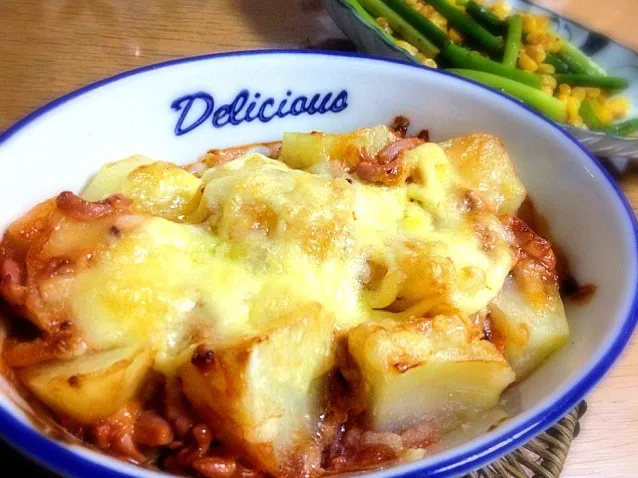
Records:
x=626, y=128
x=463, y=58
x=588, y=114
x=578, y=61
x=551, y=107
x=401, y=27
x=369, y=19
x=424, y=26
x=484, y=17
x=513, y=41
x=557, y=62
x=595, y=81
x=464, y=24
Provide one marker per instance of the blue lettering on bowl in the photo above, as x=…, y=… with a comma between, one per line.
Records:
x=196, y=108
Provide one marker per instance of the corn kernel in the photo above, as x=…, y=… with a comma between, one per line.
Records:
x=429, y=62
x=383, y=23
x=553, y=44
x=592, y=93
x=546, y=68
x=407, y=47
x=573, y=104
x=618, y=106
x=547, y=89
x=536, y=53
x=564, y=88
x=534, y=37
x=604, y=114
x=455, y=36
x=579, y=93
x=526, y=63
x=439, y=20
x=542, y=21
x=412, y=3
x=548, y=80
x=501, y=9
x=563, y=97
x=529, y=24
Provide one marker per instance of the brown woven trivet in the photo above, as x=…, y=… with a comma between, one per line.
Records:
x=543, y=457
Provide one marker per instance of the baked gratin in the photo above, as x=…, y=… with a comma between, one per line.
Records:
x=327, y=303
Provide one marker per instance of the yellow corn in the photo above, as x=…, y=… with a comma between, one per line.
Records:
x=534, y=37
x=579, y=93
x=455, y=36
x=412, y=3
x=427, y=10
x=592, y=93
x=501, y=9
x=547, y=89
x=525, y=62
x=553, y=44
x=573, y=104
x=529, y=24
x=383, y=23
x=618, y=106
x=546, y=68
x=563, y=97
x=439, y=20
x=564, y=88
x=604, y=114
x=427, y=62
x=548, y=80
x=536, y=53
x=407, y=47
x=542, y=21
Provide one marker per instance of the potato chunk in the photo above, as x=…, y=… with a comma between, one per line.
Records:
x=91, y=387
x=110, y=178
x=437, y=370
x=157, y=188
x=528, y=315
x=482, y=162
x=304, y=150
x=257, y=394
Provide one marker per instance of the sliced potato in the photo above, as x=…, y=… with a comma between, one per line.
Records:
x=162, y=189
x=110, y=178
x=529, y=317
x=157, y=188
x=437, y=370
x=257, y=394
x=482, y=162
x=91, y=387
x=304, y=150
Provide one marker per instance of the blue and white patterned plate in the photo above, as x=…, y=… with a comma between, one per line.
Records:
x=615, y=58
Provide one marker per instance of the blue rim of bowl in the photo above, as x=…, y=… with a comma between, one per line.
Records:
x=61, y=459
x=411, y=59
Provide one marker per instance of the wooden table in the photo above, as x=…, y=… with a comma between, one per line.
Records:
x=50, y=47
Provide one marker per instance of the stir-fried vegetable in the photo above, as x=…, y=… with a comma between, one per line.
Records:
x=517, y=53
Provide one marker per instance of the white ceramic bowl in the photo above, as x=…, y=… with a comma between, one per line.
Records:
x=59, y=146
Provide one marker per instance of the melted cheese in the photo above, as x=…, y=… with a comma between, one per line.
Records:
x=273, y=238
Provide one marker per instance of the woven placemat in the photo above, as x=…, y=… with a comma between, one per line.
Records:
x=543, y=457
